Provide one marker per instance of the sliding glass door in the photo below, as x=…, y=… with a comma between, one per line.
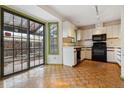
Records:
x=23, y=43
x=36, y=44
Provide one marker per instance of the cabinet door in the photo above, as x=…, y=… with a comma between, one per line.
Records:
x=97, y=31
x=103, y=30
x=109, y=31
x=110, y=56
x=90, y=32
x=88, y=54
x=116, y=31
x=65, y=29
x=85, y=34
x=118, y=56
x=109, y=43
x=94, y=31
x=79, y=35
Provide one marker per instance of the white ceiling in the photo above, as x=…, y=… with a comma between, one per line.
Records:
x=86, y=14
x=35, y=11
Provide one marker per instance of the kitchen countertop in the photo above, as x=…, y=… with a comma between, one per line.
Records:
x=81, y=47
x=78, y=46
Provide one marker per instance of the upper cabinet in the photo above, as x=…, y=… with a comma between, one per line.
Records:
x=79, y=34
x=83, y=34
x=68, y=29
x=87, y=34
x=109, y=31
x=113, y=31
x=90, y=32
x=116, y=31
x=100, y=30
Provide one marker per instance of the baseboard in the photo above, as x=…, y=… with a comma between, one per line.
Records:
x=87, y=59
x=113, y=63
x=53, y=64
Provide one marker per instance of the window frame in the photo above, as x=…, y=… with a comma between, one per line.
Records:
x=49, y=43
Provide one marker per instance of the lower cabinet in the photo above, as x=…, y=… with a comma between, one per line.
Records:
x=88, y=54
x=114, y=56
x=111, y=56
x=69, y=56
x=118, y=56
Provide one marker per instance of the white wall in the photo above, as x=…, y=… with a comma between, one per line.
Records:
x=57, y=59
x=122, y=42
x=65, y=29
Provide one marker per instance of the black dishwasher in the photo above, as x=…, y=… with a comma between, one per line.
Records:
x=78, y=54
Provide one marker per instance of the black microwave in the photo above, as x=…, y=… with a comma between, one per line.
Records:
x=101, y=37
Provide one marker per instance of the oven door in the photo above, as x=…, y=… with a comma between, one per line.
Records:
x=99, y=54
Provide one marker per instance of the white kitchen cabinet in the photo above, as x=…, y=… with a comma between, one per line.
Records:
x=88, y=53
x=82, y=54
x=111, y=56
x=109, y=32
x=97, y=31
x=68, y=29
x=85, y=34
x=94, y=32
x=87, y=37
x=89, y=34
x=109, y=43
x=116, y=31
x=79, y=35
x=69, y=56
x=116, y=42
x=118, y=56
x=113, y=31
x=103, y=30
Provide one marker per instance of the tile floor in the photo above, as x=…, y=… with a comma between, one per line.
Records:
x=87, y=74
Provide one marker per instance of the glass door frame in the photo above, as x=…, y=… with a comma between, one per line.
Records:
x=28, y=40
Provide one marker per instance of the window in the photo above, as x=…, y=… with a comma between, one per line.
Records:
x=53, y=38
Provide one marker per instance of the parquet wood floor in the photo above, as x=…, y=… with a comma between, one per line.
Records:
x=88, y=74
